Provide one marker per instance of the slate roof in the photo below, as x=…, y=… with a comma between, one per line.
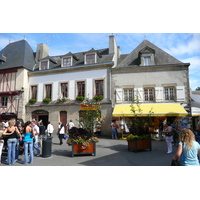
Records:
x=161, y=57
x=104, y=57
x=195, y=97
x=18, y=54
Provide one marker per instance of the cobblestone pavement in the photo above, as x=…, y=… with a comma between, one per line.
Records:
x=109, y=152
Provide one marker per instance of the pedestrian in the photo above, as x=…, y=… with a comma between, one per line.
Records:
x=61, y=132
x=197, y=133
x=29, y=135
x=70, y=125
x=12, y=133
x=114, y=127
x=19, y=127
x=168, y=137
x=189, y=148
x=160, y=129
x=1, y=139
x=50, y=129
x=36, y=139
x=174, y=126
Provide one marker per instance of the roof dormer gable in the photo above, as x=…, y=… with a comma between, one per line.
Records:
x=68, y=60
x=91, y=56
x=147, y=56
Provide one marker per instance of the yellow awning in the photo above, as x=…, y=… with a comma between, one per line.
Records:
x=156, y=109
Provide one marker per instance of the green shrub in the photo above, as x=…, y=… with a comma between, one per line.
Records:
x=46, y=100
x=32, y=101
x=80, y=98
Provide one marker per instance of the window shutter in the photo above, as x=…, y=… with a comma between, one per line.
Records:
x=180, y=93
x=159, y=94
x=119, y=95
x=138, y=93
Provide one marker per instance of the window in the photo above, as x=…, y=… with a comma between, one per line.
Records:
x=147, y=60
x=169, y=93
x=149, y=94
x=90, y=58
x=4, y=101
x=128, y=94
x=48, y=89
x=67, y=62
x=33, y=92
x=43, y=65
x=81, y=88
x=64, y=89
x=99, y=87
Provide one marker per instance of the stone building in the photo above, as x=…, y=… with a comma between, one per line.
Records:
x=158, y=80
x=155, y=77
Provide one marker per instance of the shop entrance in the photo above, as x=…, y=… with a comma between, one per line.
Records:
x=41, y=115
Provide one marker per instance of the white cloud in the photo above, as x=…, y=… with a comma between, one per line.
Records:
x=194, y=62
x=185, y=46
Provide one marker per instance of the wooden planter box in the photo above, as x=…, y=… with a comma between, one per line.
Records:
x=91, y=149
x=139, y=144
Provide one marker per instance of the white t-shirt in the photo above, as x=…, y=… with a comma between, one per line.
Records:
x=62, y=130
x=70, y=125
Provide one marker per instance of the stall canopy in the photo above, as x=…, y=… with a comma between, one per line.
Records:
x=195, y=112
x=157, y=110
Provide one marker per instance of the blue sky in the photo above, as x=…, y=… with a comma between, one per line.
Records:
x=183, y=46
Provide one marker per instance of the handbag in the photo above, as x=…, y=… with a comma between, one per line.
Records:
x=177, y=162
x=64, y=137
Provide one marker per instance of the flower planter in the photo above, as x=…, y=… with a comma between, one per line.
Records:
x=139, y=144
x=77, y=150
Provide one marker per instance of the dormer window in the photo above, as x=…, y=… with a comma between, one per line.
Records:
x=67, y=62
x=43, y=65
x=90, y=58
x=147, y=56
x=147, y=60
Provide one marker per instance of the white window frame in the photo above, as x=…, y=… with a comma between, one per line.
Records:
x=128, y=94
x=95, y=58
x=147, y=60
x=40, y=66
x=170, y=93
x=4, y=101
x=68, y=57
x=149, y=94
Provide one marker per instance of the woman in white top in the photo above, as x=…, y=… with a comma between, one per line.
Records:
x=61, y=132
x=50, y=129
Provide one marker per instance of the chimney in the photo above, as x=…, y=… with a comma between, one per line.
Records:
x=42, y=51
x=118, y=52
x=112, y=44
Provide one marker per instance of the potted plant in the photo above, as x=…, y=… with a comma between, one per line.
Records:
x=82, y=139
x=80, y=98
x=82, y=142
x=46, y=100
x=140, y=136
x=98, y=97
x=32, y=101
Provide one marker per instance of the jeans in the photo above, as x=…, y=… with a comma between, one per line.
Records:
x=114, y=133
x=17, y=150
x=11, y=143
x=1, y=147
x=28, y=145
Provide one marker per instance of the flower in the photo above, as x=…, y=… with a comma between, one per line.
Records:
x=80, y=136
x=132, y=137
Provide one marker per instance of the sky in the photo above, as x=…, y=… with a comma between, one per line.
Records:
x=183, y=46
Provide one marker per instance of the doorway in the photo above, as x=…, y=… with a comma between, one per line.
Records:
x=41, y=115
x=63, y=119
